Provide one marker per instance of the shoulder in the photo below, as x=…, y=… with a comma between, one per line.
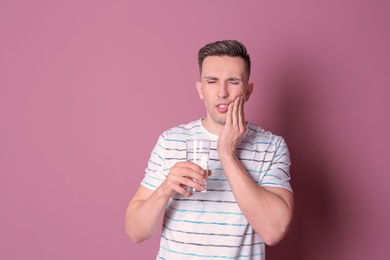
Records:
x=256, y=131
x=178, y=135
x=258, y=135
x=183, y=129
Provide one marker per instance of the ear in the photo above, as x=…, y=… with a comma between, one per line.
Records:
x=248, y=91
x=199, y=89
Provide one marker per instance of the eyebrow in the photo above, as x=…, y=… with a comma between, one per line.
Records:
x=229, y=79
x=210, y=78
x=234, y=79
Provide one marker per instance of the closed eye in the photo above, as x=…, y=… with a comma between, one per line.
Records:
x=211, y=80
x=234, y=82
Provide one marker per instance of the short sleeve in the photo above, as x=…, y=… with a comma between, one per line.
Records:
x=155, y=172
x=278, y=174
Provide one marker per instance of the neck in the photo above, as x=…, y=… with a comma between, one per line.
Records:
x=214, y=129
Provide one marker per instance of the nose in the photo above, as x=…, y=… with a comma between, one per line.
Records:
x=222, y=90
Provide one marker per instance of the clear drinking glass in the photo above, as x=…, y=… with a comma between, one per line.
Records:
x=198, y=151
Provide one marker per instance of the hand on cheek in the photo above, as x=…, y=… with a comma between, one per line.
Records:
x=234, y=128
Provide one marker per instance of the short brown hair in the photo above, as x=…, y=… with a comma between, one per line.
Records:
x=232, y=48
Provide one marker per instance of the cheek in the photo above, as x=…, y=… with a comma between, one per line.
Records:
x=245, y=93
x=238, y=92
x=207, y=101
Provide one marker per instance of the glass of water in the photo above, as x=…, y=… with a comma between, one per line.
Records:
x=198, y=151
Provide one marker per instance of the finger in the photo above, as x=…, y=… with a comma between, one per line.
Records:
x=181, y=167
x=236, y=111
x=180, y=184
x=195, y=167
x=172, y=186
x=196, y=184
x=182, y=190
x=241, y=111
x=184, y=171
x=229, y=114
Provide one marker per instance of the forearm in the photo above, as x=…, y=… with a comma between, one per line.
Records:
x=269, y=213
x=146, y=210
x=144, y=216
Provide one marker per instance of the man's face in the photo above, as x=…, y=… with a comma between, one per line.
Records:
x=223, y=79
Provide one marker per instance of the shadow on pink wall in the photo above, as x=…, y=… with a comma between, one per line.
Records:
x=317, y=217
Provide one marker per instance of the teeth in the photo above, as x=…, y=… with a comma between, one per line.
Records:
x=222, y=106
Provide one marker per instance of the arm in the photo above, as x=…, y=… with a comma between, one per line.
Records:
x=268, y=209
x=144, y=214
x=146, y=210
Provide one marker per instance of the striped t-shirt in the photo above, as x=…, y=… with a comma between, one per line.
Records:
x=210, y=225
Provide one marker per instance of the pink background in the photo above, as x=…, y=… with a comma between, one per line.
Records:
x=86, y=87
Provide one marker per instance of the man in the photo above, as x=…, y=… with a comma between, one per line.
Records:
x=248, y=202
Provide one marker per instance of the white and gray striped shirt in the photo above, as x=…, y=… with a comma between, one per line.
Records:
x=210, y=225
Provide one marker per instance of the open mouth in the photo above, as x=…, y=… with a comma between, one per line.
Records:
x=222, y=107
